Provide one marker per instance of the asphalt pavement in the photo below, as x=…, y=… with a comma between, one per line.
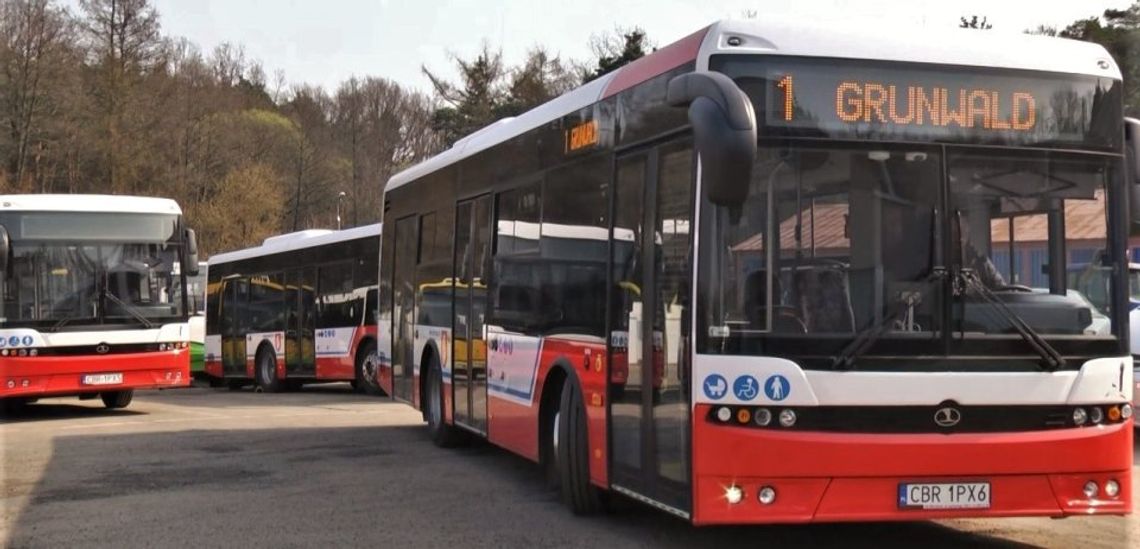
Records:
x=324, y=467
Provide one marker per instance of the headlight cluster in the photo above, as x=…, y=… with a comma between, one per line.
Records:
x=19, y=352
x=754, y=416
x=1097, y=415
x=173, y=346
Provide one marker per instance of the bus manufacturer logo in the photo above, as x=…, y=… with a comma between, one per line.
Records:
x=947, y=417
x=102, y=348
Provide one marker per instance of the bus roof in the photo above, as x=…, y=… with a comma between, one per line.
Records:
x=915, y=44
x=87, y=203
x=296, y=241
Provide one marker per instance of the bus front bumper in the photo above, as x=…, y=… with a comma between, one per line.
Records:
x=833, y=477
x=47, y=376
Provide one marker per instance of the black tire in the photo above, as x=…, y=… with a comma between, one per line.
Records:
x=117, y=399
x=367, y=365
x=442, y=434
x=265, y=370
x=572, y=453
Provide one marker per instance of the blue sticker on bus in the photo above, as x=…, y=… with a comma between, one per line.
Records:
x=715, y=386
x=777, y=387
x=14, y=341
x=27, y=341
x=746, y=388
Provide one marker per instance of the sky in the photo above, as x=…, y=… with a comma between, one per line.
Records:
x=325, y=42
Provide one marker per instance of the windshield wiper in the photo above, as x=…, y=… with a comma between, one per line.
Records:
x=63, y=322
x=1053, y=360
x=866, y=337
x=128, y=308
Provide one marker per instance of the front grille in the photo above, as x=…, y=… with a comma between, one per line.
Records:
x=87, y=350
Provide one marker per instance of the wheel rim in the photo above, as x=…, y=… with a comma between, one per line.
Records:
x=371, y=369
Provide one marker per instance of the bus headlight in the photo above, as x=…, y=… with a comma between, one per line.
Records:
x=1111, y=488
x=766, y=495
x=787, y=418
x=724, y=414
x=1125, y=411
x=1090, y=490
x=1080, y=416
x=1096, y=415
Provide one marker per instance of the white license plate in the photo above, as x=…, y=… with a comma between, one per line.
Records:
x=102, y=379
x=950, y=495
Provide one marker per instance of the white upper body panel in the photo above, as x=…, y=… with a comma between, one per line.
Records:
x=914, y=44
x=87, y=203
x=296, y=241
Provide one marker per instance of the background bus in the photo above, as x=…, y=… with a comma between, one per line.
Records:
x=814, y=216
x=299, y=308
x=91, y=302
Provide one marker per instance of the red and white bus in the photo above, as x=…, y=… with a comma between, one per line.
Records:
x=300, y=308
x=800, y=224
x=91, y=298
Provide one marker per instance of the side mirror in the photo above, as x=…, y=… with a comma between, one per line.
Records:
x=724, y=126
x=5, y=249
x=190, y=263
x=1132, y=154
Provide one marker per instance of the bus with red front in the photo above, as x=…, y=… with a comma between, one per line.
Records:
x=300, y=308
x=850, y=247
x=92, y=302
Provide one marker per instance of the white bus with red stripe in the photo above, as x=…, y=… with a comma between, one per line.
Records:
x=298, y=309
x=849, y=250
x=91, y=303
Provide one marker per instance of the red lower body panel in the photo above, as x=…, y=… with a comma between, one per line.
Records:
x=46, y=376
x=829, y=477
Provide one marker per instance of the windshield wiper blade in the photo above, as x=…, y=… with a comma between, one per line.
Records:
x=1053, y=360
x=845, y=360
x=129, y=309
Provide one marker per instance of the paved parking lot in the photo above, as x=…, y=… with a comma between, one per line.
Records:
x=325, y=467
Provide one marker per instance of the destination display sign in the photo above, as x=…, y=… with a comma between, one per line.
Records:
x=893, y=101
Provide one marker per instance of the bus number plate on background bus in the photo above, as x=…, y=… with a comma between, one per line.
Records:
x=102, y=379
x=959, y=495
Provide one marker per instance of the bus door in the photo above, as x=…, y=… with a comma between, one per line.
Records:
x=235, y=296
x=649, y=311
x=300, y=315
x=403, y=308
x=469, y=356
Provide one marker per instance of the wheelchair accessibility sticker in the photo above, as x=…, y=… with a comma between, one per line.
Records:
x=777, y=387
x=746, y=388
x=715, y=386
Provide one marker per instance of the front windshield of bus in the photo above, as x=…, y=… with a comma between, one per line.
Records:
x=835, y=239
x=71, y=270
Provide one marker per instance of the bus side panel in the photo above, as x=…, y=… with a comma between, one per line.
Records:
x=214, y=356
x=336, y=352
x=384, y=352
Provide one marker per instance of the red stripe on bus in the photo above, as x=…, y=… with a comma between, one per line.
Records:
x=659, y=62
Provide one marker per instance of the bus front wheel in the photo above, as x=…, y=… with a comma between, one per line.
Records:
x=572, y=452
x=367, y=369
x=442, y=434
x=117, y=399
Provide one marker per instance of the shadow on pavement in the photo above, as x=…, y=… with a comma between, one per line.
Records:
x=352, y=486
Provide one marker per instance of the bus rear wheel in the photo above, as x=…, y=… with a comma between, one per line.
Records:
x=117, y=399
x=266, y=372
x=367, y=370
x=572, y=453
x=442, y=434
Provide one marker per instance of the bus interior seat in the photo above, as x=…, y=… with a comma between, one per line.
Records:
x=824, y=299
